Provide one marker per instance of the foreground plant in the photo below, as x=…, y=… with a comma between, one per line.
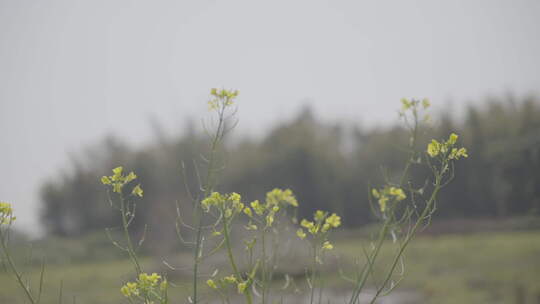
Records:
x=148, y=289
x=7, y=218
x=402, y=208
x=318, y=232
x=262, y=221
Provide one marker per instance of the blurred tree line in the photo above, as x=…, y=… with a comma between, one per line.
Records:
x=328, y=166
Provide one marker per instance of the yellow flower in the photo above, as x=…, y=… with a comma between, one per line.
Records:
x=248, y=212
x=300, y=233
x=131, y=176
x=458, y=153
x=334, y=220
x=118, y=171
x=164, y=285
x=138, y=191
x=230, y=279
x=319, y=215
x=235, y=197
x=397, y=193
x=125, y=291
x=146, y=280
x=426, y=103
x=452, y=139
x=406, y=104
x=325, y=227
x=130, y=289
x=242, y=287
x=289, y=198
x=327, y=245
x=5, y=209
x=277, y=196
x=434, y=148
x=211, y=283
x=238, y=206
x=105, y=180
x=251, y=226
x=221, y=98
x=213, y=200
x=118, y=180
x=259, y=209
x=306, y=224
x=269, y=220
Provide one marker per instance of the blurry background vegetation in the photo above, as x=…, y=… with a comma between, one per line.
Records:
x=328, y=166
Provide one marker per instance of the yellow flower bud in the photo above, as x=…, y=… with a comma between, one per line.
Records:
x=300, y=233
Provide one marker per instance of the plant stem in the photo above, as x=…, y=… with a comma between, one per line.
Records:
x=125, y=224
x=386, y=226
x=5, y=249
x=263, y=267
x=409, y=237
x=313, y=273
x=372, y=258
x=226, y=231
x=198, y=216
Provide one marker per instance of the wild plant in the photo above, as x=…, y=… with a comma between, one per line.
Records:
x=402, y=207
x=6, y=220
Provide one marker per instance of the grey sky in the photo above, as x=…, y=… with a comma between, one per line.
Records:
x=73, y=71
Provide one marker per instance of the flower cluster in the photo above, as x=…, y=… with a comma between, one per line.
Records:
x=413, y=107
x=145, y=286
x=322, y=223
x=227, y=281
x=221, y=98
x=275, y=201
x=118, y=180
x=278, y=196
x=388, y=194
x=407, y=104
x=229, y=204
x=6, y=214
x=446, y=149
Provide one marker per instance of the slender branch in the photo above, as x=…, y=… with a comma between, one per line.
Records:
x=18, y=275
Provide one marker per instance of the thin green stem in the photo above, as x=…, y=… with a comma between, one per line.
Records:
x=125, y=225
x=226, y=232
x=198, y=214
x=13, y=267
x=386, y=225
x=409, y=237
x=263, y=266
x=371, y=262
x=313, y=273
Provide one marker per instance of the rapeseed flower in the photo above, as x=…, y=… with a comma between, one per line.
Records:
x=6, y=214
x=118, y=180
x=387, y=194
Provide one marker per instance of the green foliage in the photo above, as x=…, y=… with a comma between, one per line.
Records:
x=481, y=268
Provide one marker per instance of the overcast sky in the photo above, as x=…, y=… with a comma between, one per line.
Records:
x=72, y=71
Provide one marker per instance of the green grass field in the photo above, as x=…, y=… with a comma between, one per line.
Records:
x=502, y=267
x=478, y=268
